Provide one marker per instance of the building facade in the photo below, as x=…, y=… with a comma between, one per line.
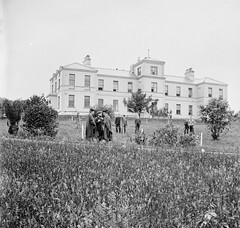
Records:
x=76, y=87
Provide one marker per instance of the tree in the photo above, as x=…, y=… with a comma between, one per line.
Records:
x=139, y=102
x=217, y=116
x=13, y=110
x=39, y=118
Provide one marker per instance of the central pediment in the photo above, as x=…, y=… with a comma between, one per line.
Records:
x=79, y=66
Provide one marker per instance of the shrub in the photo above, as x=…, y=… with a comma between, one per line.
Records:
x=188, y=140
x=139, y=138
x=39, y=118
x=217, y=116
x=165, y=137
x=13, y=112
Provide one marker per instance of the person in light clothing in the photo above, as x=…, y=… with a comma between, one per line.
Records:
x=191, y=123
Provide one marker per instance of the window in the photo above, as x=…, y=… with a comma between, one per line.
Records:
x=71, y=101
x=100, y=102
x=130, y=87
x=166, y=107
x=178, y=92
x=58, y=84
x=178, y=109
x=52, y=89
x=58, y=102
x=86, y=101
x=87, y=81
x=139, y=71
x=209, y=92
x=220, y=93
x=166, y=90
x=190, y=92
x=115, y=86
x=190, y=109
x=72, y=80
x=154, y=87
x=115, y=105
x=100, y=84
x=154, y=70
x=55, y=87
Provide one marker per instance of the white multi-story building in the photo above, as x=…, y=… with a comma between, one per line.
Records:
x=76, y=87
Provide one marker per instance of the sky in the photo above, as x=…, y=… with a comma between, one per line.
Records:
x=38, y=36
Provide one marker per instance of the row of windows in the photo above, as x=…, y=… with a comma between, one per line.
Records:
x=154, y=86
x=71, y=102
x=178, y=91
x=153, y=70
x=190, y=92
x=178, y=109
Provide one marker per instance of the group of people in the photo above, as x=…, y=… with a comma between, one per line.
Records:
x=121, y=124
x=189, y=126
x=99, y=127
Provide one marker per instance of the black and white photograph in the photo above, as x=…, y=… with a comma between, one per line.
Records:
x=119, y=113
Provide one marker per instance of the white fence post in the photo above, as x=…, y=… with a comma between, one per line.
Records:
x=82, y=131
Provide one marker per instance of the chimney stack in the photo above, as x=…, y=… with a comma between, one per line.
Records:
x=87, y=61
x=189, y=74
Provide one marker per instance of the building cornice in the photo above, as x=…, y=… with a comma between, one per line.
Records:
x=81, y=70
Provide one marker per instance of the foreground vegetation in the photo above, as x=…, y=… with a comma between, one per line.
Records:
x=84, y=185
x=67, y=182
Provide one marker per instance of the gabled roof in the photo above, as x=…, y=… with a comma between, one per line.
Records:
x=210, y=80
x=195, y=81
x=79, y=66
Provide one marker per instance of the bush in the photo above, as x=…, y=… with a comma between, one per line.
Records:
x=217, y=115
x=39, y=118
x=49, y=184
x=13, y=110
x=139, y=138
x=165, y=137
x=190, y=140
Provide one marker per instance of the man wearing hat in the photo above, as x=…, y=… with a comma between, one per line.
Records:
x=107, y=126
x=90, y=125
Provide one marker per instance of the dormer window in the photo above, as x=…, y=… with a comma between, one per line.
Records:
x=154, y=70
x=139, y=71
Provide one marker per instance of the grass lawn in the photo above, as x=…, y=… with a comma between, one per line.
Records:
x=229, y=142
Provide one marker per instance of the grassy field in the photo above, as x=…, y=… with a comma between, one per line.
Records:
x=55, y=184
x=229, y=142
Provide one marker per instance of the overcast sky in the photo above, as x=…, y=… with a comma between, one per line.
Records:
x=38, y=36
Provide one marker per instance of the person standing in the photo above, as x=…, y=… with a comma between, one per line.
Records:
x=118, y=124
x=90, y=125
x=191, y=123
x=124, y=124
x=186, y=127
x=137, y=124
x=107, y=126
x=99, y=126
